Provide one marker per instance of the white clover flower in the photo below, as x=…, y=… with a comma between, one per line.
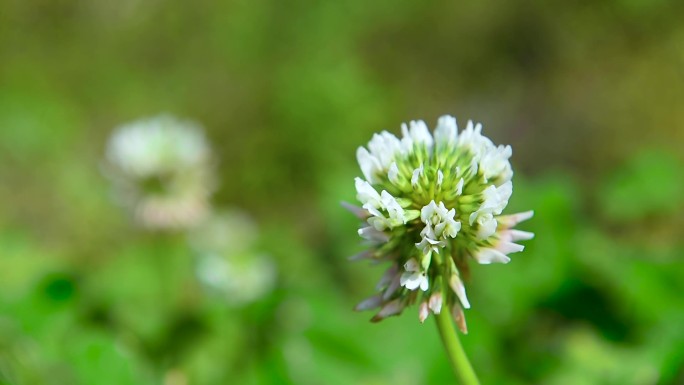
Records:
x=383, y=148
x=376, y=204
x=413, y=277
x=161, y=169
x=430, y=203
x=228, y=263
x=495, y=164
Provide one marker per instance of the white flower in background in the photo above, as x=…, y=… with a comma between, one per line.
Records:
x=228, y=262
x=429, y=203
x=161, y=168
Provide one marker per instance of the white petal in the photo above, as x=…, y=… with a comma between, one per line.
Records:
x=428, y=211
x=518, y=235
x=414, y=280
x=458, y=288
x=435, y=302
x=410, y=281
x=447, y=131
x=416, y=174
x=393, y=173
x=487, y=226
x=423, y=311
x=424, y=283
x=509, y=247
x=452, y=228
x=396, y=212
x=504, y=191
x=368, y=163
x=366, y=194
x=383, y=147
x=412, y=265
x=420, y=133
x=494, y=163
x=473, y=217
x=486, y=256
x=514, y=219
x=459, y=187
x=459, y=318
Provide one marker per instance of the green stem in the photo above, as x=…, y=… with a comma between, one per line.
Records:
x=457, y=356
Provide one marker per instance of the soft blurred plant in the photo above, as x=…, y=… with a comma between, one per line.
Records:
x=228, y=262
x=161, y=169
x=440, y=204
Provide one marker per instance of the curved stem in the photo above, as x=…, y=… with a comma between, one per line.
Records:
x=457, y=356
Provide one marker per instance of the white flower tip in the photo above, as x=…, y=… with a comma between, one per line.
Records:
x=459, y=186
x=393, y=173
x=521, y=217
x=509, y=247
x=459, y=318
x=423, y=311
x=519, y=235
x=413, y=280
x=365, y=160
x=404, y=130
x=513, y=219
x=411, y=265
x=473, y=217
x=424, y=284
x=435, y=302
x=458, y=288
x=487, y=256
x=446, y=131
x=469, y=125
x=417, y=173
x=478, y=128
x=447, y=121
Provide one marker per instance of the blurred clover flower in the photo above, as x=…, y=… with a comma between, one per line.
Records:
x=429, y=203
x=228, y=263
x=161, y=169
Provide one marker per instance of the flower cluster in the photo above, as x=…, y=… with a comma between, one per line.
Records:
x=161, y=169
x=429, y=202
x=228, y=263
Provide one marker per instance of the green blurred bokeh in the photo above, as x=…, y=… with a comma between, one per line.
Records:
x=589, y=94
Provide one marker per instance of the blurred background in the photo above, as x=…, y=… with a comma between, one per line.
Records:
x=590, y=94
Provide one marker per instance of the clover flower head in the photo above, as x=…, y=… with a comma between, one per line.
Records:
x=429, y=203
x=161, y=169
x=229, y=264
